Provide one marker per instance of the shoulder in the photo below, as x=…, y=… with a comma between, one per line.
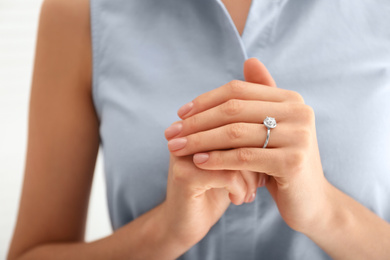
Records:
x=69, y=15
x=66, y=11
x=65, y=36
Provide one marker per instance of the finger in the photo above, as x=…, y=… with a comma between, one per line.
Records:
x=251, y=180
x=245, y=111
x=234, y=136
x=269, y=161
x=256, y=72
x=262, y=179
x=202, y=180
x=237, y=89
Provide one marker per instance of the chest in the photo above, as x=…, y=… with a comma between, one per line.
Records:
x=238, y=11
x=340, y=66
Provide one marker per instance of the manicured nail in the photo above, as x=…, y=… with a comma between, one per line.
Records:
x=201, y=157
x=252, y=197
x=185, y=109
x=177, y=144
x=173, y=130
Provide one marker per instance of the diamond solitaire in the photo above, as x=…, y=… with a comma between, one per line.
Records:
x=270, y=122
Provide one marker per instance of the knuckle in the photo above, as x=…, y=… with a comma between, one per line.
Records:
x=303, y=112
x=244, y=155
x=234, y=178
x=296, y=109
x=194, y=140
x=303, y=135
x=191, y=122
x=235, y=131
x=232, y=107
x=197, y=102
x=179, y=172
x=295, y=96
x=236, y=86
x=295, y=161
x=308, y=114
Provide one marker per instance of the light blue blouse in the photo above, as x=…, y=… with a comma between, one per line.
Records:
x=152, y=56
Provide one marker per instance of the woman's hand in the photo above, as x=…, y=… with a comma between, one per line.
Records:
x=254, y=72
x=224, y=130
x=197, y=198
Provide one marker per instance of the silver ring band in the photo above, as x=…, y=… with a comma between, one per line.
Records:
x=266, y=140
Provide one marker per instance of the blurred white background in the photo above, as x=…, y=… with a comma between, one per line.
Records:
x=18, y=28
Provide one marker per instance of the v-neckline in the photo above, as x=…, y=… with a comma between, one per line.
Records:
x=248, y=17
x=230, y=10
x=234, y=28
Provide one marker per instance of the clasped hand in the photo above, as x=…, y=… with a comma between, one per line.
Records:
x=222, y=131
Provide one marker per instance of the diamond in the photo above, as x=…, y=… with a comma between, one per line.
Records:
x=270, y=122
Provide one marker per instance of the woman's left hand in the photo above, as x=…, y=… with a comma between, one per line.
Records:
x=224, y=130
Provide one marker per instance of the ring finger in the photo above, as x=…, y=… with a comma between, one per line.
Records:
x=232, y=136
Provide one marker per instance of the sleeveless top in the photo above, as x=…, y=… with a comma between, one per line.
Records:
x=152, y=56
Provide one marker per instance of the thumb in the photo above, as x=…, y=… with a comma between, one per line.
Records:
x=256, y=72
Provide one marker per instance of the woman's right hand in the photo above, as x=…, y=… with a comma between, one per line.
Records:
x=196, y=199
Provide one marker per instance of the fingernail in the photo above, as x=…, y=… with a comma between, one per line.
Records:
x=173, y=130
x=177, y=144
x=201, y=157
x=185, y=109
x=252, y=197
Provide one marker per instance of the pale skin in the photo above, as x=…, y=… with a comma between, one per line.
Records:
x=63, y=141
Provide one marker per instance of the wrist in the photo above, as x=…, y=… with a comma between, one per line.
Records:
x=170, y=232
x=332, y=215
x=348, y=230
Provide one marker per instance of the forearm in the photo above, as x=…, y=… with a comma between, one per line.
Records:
x=143, y=238
x=348, y=230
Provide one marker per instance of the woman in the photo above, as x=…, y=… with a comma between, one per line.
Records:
x=120, y=80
